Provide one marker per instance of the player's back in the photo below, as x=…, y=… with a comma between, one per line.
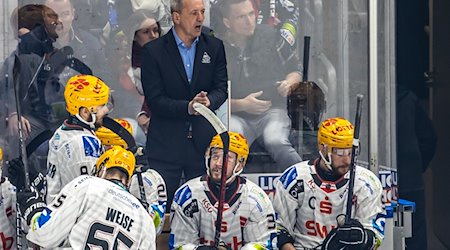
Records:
x=96, y=212
x=73, y=151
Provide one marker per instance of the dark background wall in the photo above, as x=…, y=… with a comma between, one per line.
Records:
x=412, y=61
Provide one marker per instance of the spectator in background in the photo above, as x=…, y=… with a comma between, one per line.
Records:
x=180, y=68
x=142, y=28
x=416, y=144
x=260, y=81
x=86, y=47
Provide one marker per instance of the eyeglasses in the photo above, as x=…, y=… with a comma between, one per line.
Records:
x=342, y=151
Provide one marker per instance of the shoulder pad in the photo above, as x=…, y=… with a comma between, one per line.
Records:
x=182, y=195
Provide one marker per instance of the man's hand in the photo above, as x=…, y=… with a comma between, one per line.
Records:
x=30, y=203
x=13, y=127
x=351, y=235
x=286, y=87
x=143, y=121
x=255, y=106
x=202, y=98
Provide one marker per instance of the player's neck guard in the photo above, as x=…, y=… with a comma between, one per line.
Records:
x=119, y=183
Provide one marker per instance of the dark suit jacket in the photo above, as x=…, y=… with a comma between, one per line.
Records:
x=168, y=93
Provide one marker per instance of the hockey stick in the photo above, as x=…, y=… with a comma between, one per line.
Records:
x=23, y=150
x=225, y=137
x=131, y=143
x=355, y=152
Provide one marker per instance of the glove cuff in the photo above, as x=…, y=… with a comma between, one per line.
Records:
x=32, y=210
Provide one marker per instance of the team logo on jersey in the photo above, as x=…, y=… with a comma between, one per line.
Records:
x=92, y=146
x=191, y=209
x=297, y=189
x=328, y=187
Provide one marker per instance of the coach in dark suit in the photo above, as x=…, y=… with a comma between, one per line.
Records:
x=182, y=67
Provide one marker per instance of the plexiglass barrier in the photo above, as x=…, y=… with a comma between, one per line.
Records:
x=264, y=43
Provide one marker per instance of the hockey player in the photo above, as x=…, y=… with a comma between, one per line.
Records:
x=74, y=148
x=7, y=211
x=248, y=215
x=154, y=196
x=311, y=197
x=92, y=212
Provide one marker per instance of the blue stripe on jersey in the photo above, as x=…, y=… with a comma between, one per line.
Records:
x=289, y=175
x=182, y=195
x=92, y=146
x=171, y=241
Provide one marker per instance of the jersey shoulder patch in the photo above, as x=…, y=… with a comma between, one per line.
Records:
x=288, y=176
x=92, y=146
x=182, y=195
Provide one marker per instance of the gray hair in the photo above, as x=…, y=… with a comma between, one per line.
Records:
x=176, y=5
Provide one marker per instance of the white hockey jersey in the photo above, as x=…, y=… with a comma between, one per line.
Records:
x=248, y=216
x=7, y=215
x=307, y=206
x=92, y=212
x=73, y=151
x=155, y=195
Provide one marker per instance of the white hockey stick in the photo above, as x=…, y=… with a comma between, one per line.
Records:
x=220, y=128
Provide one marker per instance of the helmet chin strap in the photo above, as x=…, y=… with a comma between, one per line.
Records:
x=327, y=162
x=90, y=124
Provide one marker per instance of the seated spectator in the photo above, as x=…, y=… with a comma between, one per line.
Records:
x=260, y=81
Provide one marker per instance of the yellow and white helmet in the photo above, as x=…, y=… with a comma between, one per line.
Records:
x=85, y=91
x=109, y=138
x=117, y=157
x=334, y=132
x=238, y=145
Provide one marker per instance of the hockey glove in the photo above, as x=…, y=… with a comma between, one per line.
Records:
x=16, y=175
x=30, y=203
x=283, y=237
x=351, y=235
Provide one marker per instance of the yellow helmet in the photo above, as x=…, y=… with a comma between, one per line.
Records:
x=117, y=157
x=238, y=145
x=335, y=133
x=109, y=138
x=85, y=91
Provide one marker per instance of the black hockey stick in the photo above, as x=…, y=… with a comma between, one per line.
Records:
x=131, y=143
x=23, y=149
x=355, y=152
x=225, y=137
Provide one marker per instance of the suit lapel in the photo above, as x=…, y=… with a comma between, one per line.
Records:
x=174, y=53
x=199, y=51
